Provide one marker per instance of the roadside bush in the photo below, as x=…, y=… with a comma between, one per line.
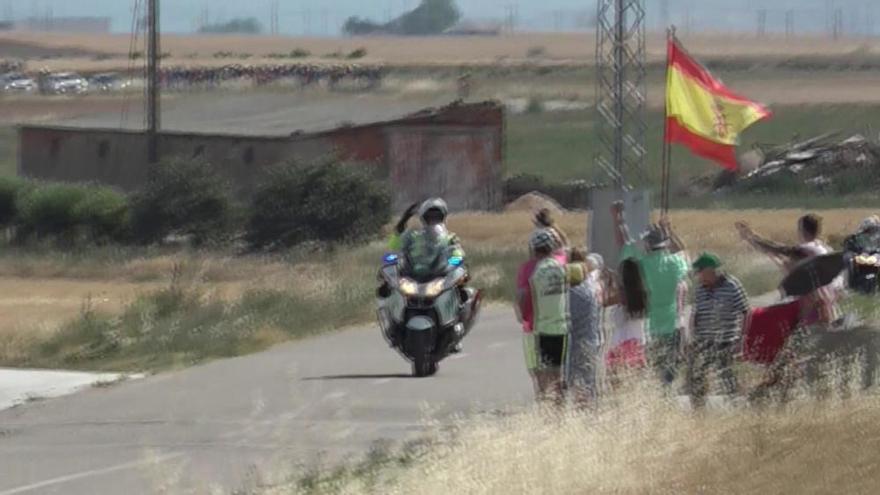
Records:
x=536, y=52
x=534, y=105
x=359, y=53
x=182, y=197
x=326, y=201
x=103, y=214
x=50, y=211
x=300, y=53
x=10, y=190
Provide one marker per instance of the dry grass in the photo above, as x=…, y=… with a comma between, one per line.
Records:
x=445, y=50
x=642, y=444
x=700, y=229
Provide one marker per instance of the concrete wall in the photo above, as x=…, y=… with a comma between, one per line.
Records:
x=455, y=152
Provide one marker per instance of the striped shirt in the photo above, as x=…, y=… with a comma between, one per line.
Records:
x=719, y=311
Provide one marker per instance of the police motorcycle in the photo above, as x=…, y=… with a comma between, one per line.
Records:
x=426, y=318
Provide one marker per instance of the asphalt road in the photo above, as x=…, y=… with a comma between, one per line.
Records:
x=327, y=398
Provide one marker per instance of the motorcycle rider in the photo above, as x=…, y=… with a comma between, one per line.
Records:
x=422, y=248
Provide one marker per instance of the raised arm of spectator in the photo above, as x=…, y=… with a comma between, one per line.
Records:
x=676, y=245
x=621, y=232
x=767, y=246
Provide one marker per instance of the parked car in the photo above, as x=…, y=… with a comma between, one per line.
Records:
x=66, y=83
x=108, y=82
x=17, y=83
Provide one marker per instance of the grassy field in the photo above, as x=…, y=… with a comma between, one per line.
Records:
x=128, y=309
x=561, y=145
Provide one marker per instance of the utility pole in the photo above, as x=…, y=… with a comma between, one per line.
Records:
x=512, y=14
x=664, y=14
x=762, y=23
x=789, y=23
x=837, y=25
x=8, y=12
x=153, y=82
x=307, y=21
x=273, y=17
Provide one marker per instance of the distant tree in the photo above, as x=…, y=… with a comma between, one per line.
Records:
x=355, y=26
x=430, y=17
x=248, y=25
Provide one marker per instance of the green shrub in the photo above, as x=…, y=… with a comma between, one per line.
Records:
x=103, y=214
x=359, y=53
x=11, y=188
x=300, y=53
x=50, y=211
x=534, y=105
x=326, y=201
x=182, y=197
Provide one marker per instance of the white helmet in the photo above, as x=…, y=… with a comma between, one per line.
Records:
x=433, y=204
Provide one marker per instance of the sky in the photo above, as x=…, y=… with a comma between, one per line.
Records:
x=324, y=17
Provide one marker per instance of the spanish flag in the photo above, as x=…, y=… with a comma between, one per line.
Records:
x=701, y=113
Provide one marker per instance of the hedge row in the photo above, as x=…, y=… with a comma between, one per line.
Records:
x=325, y=201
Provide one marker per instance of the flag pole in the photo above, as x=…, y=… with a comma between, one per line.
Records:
x=667, y=149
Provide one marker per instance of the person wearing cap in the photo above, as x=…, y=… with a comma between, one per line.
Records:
x=719, y=313
x=665, y=275
x=545, y=344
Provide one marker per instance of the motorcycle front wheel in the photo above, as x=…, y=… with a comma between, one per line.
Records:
x=423, y=363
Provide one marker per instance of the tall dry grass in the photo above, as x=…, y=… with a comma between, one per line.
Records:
x=638, y=444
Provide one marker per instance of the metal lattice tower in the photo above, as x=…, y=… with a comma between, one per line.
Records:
x=621, y=89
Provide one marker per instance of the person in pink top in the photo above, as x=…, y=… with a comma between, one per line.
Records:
x=523, y=292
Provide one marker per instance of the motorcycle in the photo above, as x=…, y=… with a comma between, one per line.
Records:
x=425, y=318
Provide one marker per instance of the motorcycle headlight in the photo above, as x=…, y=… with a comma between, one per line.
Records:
x=435, y=288
x=408, y=287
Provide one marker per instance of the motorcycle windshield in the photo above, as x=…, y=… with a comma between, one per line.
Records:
x=427, y=266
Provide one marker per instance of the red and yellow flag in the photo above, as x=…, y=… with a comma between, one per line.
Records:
x=701, y=113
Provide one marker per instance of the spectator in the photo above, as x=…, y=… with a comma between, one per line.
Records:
x=822, y=302
x=720, y=309
x=664, y=268
x=585, y=339
x=546, y=343
x=628, y=300
x=544, y=220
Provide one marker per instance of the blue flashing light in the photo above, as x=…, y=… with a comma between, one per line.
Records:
x=390, y=259
x=456, y=260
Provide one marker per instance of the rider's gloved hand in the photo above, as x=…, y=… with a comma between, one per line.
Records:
x=404, y=219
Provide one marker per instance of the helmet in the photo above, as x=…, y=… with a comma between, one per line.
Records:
x=543, y=239
x=433, y=204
